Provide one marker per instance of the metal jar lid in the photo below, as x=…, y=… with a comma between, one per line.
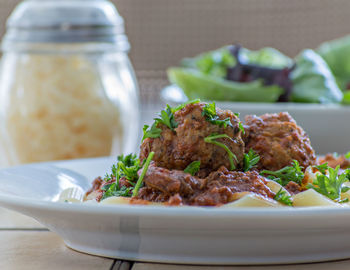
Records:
x=65, y=21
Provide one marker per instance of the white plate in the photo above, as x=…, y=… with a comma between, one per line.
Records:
x=177, y=234
x=328, y=126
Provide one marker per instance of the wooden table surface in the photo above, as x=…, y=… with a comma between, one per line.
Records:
x=26, y=244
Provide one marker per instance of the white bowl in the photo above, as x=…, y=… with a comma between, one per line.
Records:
x=328, y=126
x=189, y=235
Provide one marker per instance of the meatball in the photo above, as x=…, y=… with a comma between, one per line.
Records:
x=278, y=140
x=176, y=149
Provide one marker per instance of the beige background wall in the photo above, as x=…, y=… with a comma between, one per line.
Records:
x=163, y=31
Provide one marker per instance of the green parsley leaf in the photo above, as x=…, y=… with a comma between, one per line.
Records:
x=152, y=132
x=331, y=186
x=250, y=160
x=167, y=118
x=283, y=197
x=127, y=166
x=112, y=190
x=322, y=168
x=345, y=189
x=209, y=112
x=143, y=173
x=240, y=125
x=212, y=139
x=181, y=106
x=286, y=174
x=344, y=200
x=109, y=177
x=193, y=168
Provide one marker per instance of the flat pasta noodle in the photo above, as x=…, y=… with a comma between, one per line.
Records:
x=253, y=200
x=73, y=194
x=311, y=197
x=116, y=200
x=275, y=187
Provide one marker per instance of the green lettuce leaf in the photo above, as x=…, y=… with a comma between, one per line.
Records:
x=217, y=61
x=336, y=53
x=313, y=81
x=213, y=63
x=266, y=57
x=196, y=84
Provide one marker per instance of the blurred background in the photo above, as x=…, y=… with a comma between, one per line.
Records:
x=162, y=32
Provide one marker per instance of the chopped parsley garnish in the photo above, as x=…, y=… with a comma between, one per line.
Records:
x=152, y=132
x=143, y=173
x=167, y=118
x=322, y=168
x=231, y=156
x=283, y=197
x=181, y=106
x=240, y=125
x=209, y=112
x=250, y=160
x=112, y=190
x=331, y=185
x=127, y=167
x=193, y=168
x=344, y=200
x=286, y=174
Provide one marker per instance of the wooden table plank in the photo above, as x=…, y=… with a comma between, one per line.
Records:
x=14, y=220
x=337, y=265
x=43, y=250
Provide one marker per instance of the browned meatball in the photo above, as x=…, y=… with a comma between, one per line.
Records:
x=278, y=140
x=177, y=149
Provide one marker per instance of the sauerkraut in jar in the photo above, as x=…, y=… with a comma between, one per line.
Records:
x=65, y=100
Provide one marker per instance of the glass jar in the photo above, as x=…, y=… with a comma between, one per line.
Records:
x=67, y=88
